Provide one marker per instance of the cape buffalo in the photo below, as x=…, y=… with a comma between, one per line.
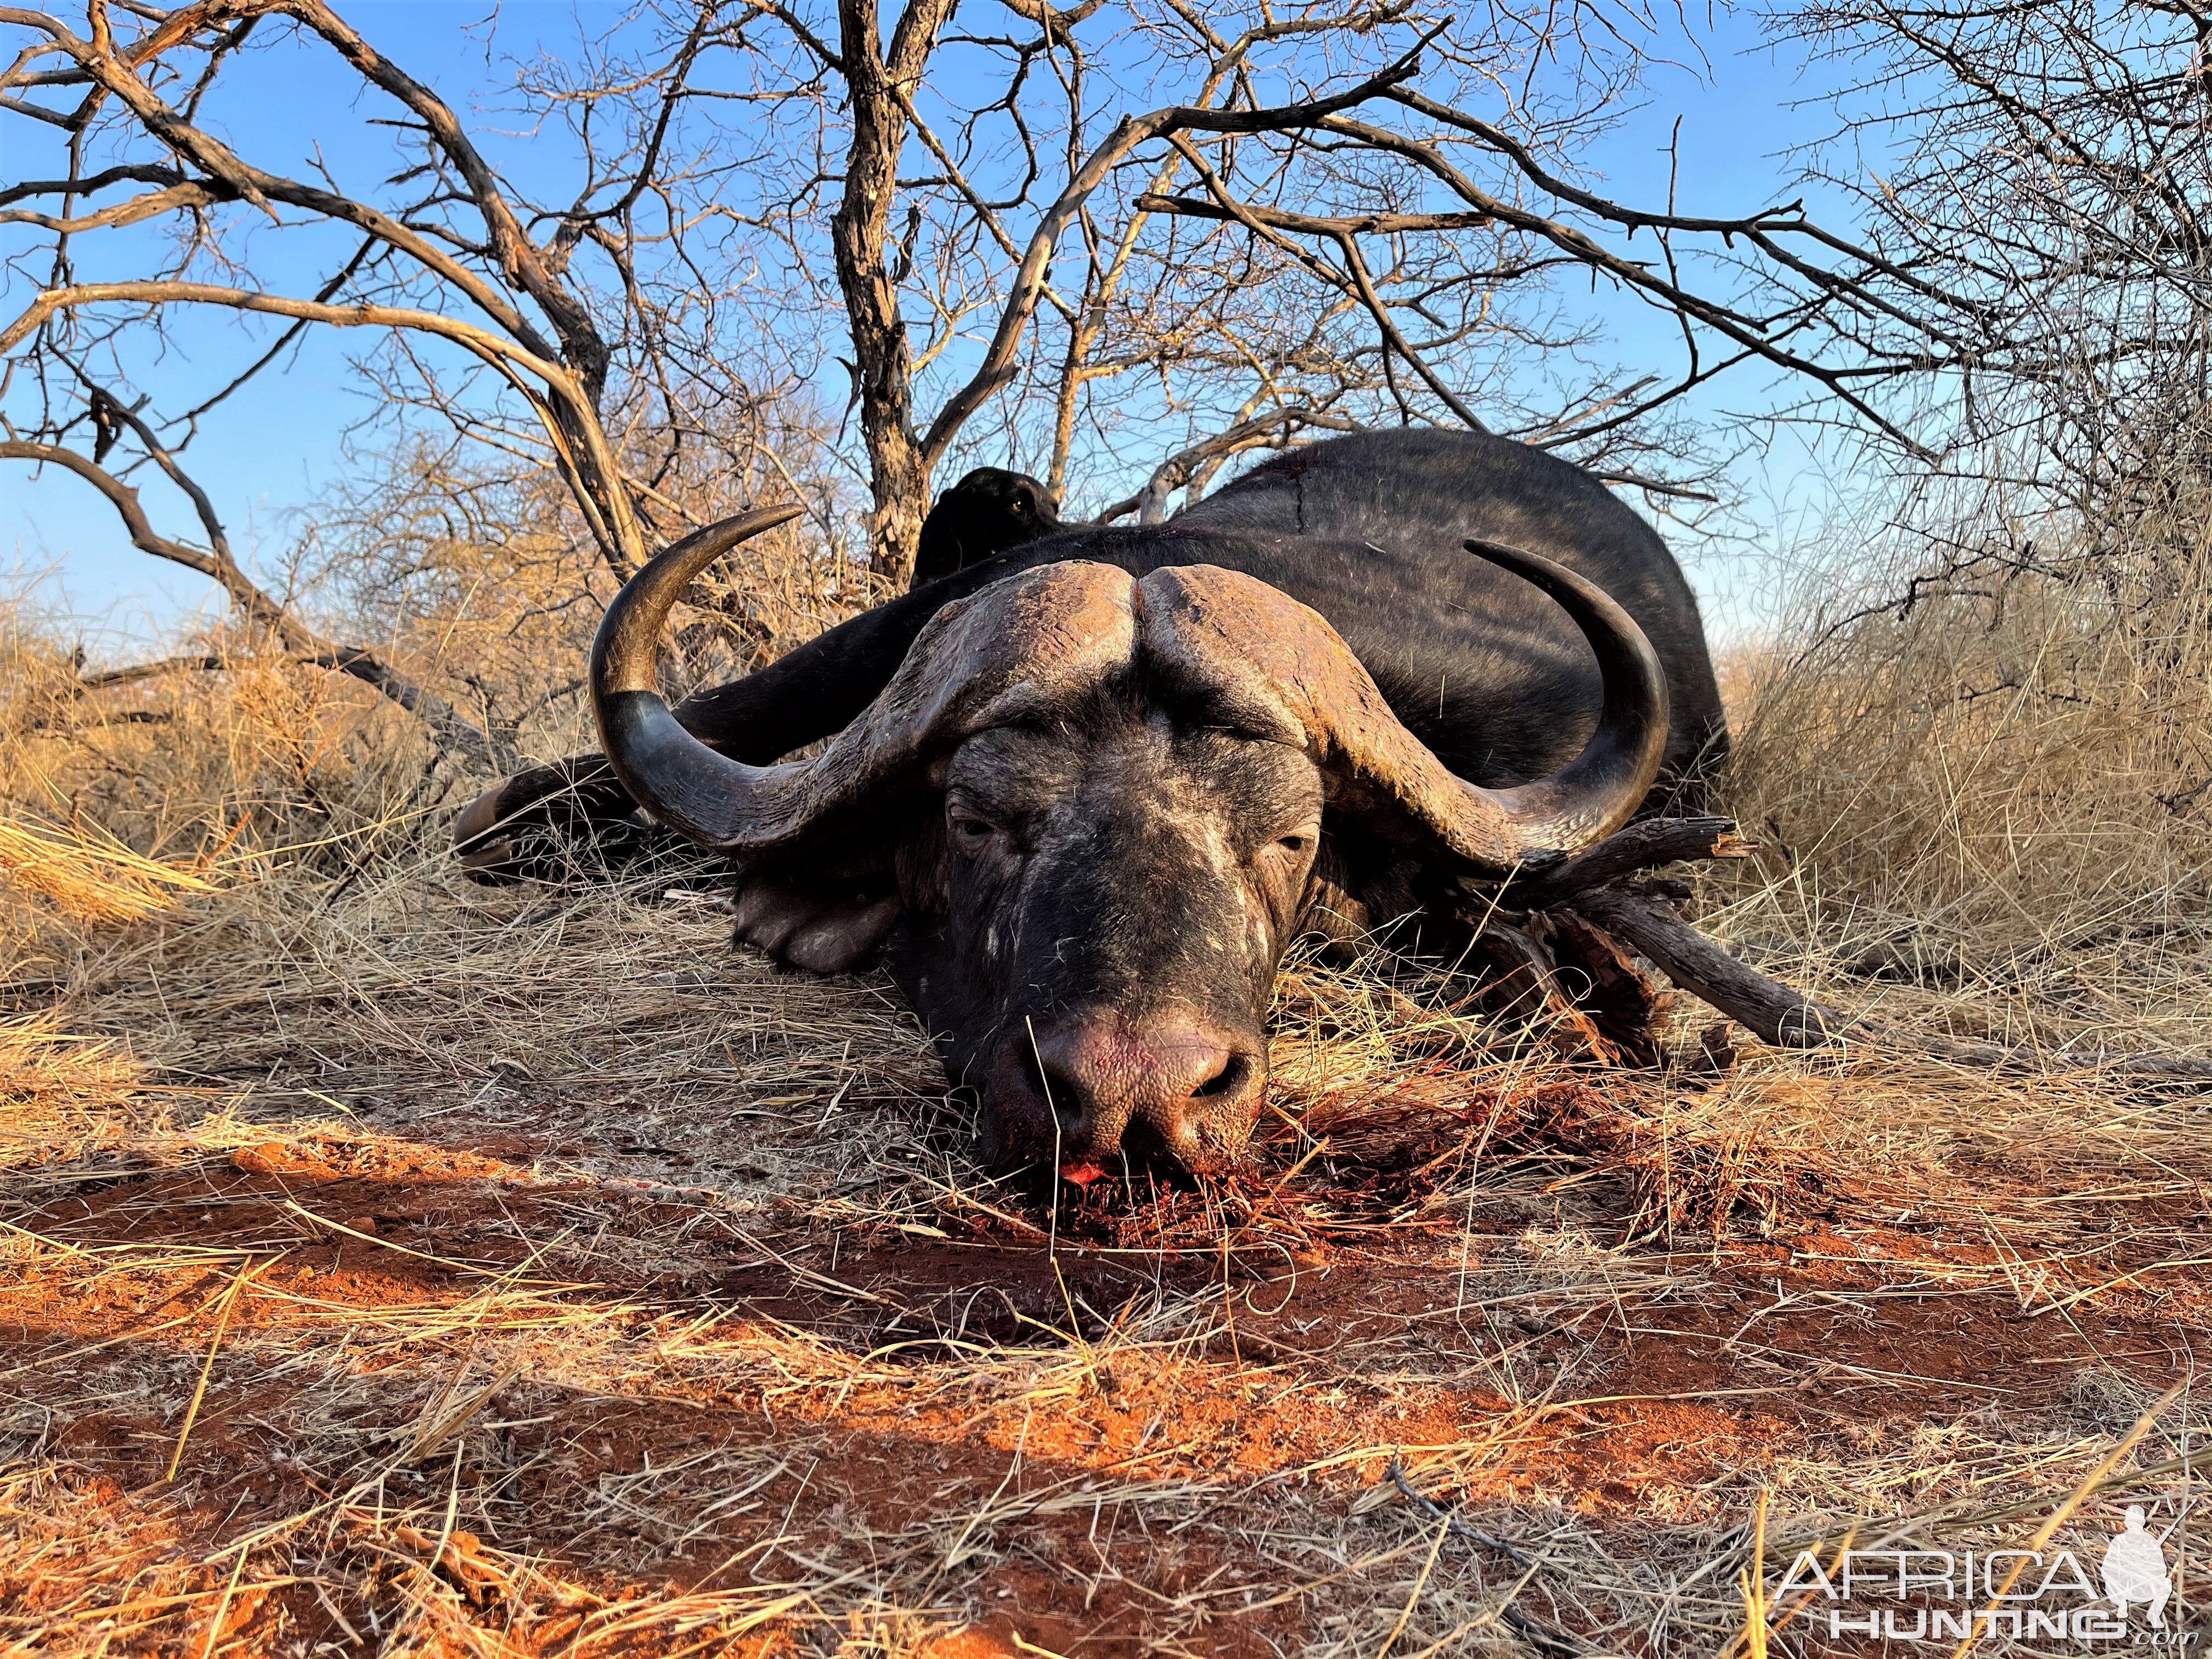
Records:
x=1082, y=794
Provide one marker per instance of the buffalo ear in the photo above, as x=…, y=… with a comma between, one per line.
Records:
x=817, y=924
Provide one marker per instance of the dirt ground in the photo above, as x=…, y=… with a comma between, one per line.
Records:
x=429, y=1271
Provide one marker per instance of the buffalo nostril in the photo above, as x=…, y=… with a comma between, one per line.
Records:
x=1059, y=1092
x=1143, y=1144
x=1234, y=1073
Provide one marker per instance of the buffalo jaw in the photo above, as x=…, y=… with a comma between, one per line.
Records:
x=817, y=926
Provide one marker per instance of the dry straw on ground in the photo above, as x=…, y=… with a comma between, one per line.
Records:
x=527, y=1272
x=1999, y=804
x=90, y=876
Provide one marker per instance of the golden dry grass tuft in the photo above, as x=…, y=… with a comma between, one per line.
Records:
x=1991, y=811
x=88, y=875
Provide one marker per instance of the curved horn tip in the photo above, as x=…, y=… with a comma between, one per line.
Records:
x=628, y=638
x=1600, y=789
x=680, y=781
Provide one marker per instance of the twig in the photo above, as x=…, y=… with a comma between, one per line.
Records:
x=1459, y=1529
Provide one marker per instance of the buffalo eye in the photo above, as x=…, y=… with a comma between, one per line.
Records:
x=1294, y=844
x=970, y=833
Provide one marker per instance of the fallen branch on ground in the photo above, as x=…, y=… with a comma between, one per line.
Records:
x=1774, y=1012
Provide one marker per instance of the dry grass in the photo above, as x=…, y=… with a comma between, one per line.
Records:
x=1993, y=813
x=88, y=875
x=573, y=1286
x=525, y=1273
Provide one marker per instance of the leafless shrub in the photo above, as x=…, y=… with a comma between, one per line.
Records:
x=2048, y=165
x=1332, y=218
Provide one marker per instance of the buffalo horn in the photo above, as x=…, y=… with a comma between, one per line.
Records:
x=1267, y=664
x=1245, y=654
x=1600, y=789
x=1020, y=648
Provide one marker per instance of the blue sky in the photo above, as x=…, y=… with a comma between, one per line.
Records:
x=270, y=451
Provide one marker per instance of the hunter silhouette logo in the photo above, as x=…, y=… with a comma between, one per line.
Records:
x=2135, y=1568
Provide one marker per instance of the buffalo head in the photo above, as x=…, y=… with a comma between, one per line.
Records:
x=1085, y=817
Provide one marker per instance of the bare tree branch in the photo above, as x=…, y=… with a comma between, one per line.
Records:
x=1377, y=223
x=108, y=678
x=445, y=724
x=997, y=367
x=1272, y=429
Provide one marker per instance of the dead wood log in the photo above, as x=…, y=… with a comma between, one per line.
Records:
x=1524, y=988
x=1558, y=973
x=1554, y=941
x=1642, y=846
x=1608, y=989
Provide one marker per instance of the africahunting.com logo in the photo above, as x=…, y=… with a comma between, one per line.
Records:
x=2123, y=1592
